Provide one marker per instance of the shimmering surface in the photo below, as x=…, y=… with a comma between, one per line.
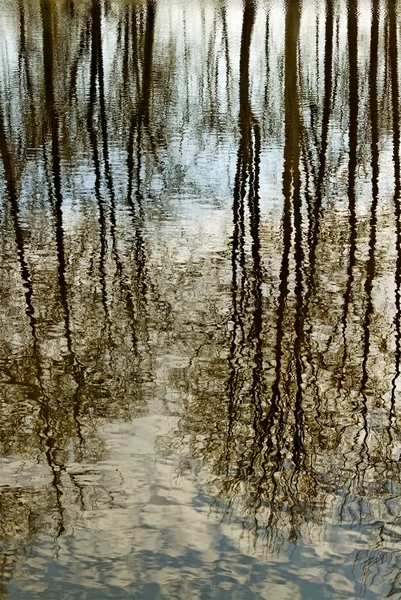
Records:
x=200, y=299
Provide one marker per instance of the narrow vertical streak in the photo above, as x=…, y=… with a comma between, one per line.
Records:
x=395, y=98
x=386, y=69
x=131, y=165
x=245, y=133
x=104, y=128
x=136, y=215
x=146, y=88
x=308, y=193
x=317, y=42
x=126, y=48
x=232, y=385
x=317, y=209
x=239, y=274
x=210, y=70
x=242, y=233
x=144, y=123
x=226, y=56
x=373, y=101
x=257, y=317
x=108, y=171
x=47, y=12
x=246, y=35
x=23, y=57
x=135, y=49
x=52, y=114
x=96, y=160
x=82, y=49
x=238, y=290
x=267, y=57
x=352, y=164
x=133, y=119
x=291, y=157
x=148, y=62
x=250, y=141
x=370, y=267
x=336, y=62
x=299, y=310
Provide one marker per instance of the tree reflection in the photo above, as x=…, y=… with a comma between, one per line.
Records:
x=302, y=420
x=115, y=121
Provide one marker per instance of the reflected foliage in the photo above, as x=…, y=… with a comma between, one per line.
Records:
x=127, y=131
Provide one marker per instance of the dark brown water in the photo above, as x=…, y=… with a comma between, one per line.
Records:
x=200, y=299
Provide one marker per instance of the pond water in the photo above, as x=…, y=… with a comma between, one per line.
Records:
x=200, y=299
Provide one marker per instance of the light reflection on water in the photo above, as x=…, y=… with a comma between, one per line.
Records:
x=200, y=299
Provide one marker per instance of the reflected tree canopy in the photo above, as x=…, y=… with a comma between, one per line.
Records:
x=200, y=204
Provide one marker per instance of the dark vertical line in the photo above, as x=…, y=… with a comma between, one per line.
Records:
x=293, y=158
x=299, y=309
x=52, y=114
x=144, y=122
x=109, y=181
x=23, y=57
x=386, y=76
x=291, y=153
x=370, y=267
x=146, y=87
x=317, y=210
x=393, y=51
x=247, y=26
x=139, y=120
x=226, y=55
x=105, y=138
x=232, y=385
x=245, y=134
x=317, y=41
x=135, y=49
x=48, y=61
x=126, y=47
x=148, y=62
x=352, y=163
x=257, y=324
x=96, y=160
x=267, y=57
x=337, y=70
x=239, y=276
x=104, y=129
x=251, y=143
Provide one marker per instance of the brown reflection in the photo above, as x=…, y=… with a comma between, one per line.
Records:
x=352, y=163
x=71, y=370
x=393, y=60
x=36, y=390
x=278, y=351
x=246, y=278
x=303, y=417
x=370, y=267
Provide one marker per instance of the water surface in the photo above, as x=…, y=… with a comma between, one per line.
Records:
x=200, y=299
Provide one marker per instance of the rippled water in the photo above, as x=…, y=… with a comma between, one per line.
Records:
x=200, y=299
